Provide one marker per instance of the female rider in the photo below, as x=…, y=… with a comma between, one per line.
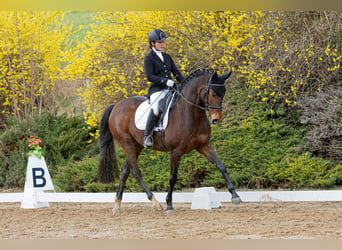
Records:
x=158, y=67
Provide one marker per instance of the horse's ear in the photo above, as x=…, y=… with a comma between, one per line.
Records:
x=225, y=76
x=214, y=76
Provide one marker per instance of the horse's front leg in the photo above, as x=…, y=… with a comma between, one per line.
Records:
x=175, y=160
x=210, y=154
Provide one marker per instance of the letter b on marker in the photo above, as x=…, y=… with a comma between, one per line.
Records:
x=39, y=180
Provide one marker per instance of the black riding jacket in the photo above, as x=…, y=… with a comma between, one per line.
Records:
x=158, y=72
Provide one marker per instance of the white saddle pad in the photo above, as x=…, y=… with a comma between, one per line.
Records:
x=142, y=113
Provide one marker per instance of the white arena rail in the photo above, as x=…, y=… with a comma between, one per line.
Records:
x=188, y=197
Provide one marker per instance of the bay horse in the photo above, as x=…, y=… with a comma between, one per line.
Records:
x=188, y=129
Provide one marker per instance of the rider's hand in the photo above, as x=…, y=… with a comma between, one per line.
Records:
x=170, y=83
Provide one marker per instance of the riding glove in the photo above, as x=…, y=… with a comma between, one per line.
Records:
x=170, y=83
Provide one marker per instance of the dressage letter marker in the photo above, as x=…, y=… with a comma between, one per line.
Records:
x=37, y=180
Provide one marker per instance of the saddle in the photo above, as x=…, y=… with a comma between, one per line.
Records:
x=165, y=105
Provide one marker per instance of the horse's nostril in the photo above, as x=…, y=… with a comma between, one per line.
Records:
x=215, y=121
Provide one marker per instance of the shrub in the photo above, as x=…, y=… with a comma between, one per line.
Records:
x=322, y=115
x=64, y=140
x=293, y=54
x=30, y=54
x=75, y=176
x=303, y=171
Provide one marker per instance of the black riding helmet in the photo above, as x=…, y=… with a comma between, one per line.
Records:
x=156, y=36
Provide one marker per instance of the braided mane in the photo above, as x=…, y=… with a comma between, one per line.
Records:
x=195, y=74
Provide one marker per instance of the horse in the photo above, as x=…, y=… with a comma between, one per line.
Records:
x=188, y=129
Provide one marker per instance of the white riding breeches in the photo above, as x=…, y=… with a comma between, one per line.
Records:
x=155, y=98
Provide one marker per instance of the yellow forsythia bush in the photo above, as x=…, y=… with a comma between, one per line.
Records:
x=293, y=53
x=30, y=56
x=280, y=55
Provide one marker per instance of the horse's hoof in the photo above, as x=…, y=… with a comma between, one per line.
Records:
x=116, y=210
x=159, y=208
x=169, y=211
x=155, y=204
x=236, y=201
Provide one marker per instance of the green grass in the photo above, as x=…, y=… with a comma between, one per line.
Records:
x=81, y=22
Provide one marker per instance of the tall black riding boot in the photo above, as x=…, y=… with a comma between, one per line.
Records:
x=151, y=121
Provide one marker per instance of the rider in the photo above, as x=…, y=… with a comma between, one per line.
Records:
x=158, y=67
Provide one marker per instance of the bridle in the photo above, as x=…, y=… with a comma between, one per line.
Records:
x=206, y=94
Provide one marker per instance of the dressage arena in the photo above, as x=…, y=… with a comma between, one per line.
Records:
x=250, y=220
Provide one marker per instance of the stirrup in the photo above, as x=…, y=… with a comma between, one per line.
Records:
x=148, y=141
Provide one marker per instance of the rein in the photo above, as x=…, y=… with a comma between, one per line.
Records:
x=189, y=102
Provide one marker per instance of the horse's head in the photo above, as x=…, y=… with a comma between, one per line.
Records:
x=205, y=90
x=215, y=93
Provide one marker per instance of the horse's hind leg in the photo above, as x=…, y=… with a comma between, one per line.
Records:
x=125, y=170
x=132, y=153
x=137, y=175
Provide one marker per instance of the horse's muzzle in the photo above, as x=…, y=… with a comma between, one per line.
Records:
x=215, y=121
x=216, y=117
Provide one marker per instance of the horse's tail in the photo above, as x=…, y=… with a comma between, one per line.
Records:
x=108, y=167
